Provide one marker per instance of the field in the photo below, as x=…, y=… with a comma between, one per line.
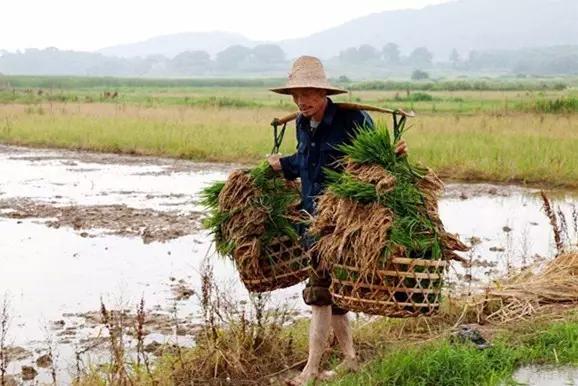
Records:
x=522, y=132
x=495, y=130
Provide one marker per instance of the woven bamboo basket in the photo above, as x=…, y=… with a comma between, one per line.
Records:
x=405, y=287
x=255, y=225
x=285, y=264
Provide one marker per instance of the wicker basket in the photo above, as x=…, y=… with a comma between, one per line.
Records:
x=405, y=287
x=284, y=265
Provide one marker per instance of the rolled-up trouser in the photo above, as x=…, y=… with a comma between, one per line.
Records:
x=316, y=291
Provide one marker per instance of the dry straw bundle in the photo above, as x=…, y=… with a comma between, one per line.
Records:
x=253, y=218
x=532, y=290
x=379, y=231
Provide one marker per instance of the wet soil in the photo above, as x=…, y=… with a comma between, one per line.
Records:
x=150, y=225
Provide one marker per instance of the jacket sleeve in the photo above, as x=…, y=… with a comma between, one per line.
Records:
x=290, y=167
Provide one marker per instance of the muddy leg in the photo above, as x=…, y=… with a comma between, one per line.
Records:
x=318, y=337
x=342, y=330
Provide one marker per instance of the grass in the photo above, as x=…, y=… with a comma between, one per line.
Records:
x=405, y=352
x=480, y=84
x=444, y=363
x=525, y=147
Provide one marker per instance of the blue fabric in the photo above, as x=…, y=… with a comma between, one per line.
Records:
x=316, y=149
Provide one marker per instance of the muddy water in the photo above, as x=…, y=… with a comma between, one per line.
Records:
x=79, y=227
x=546, y=376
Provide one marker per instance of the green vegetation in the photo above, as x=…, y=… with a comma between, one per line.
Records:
x=565, y=105
x=253, y=203
x=83, y=82
x=509, y=136
x=489, y=84
x=444, y=363
x=408, y=352
x=412, y=227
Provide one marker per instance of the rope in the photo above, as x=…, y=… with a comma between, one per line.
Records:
x=277, y=136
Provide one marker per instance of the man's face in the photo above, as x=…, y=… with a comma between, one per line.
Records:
x=310, y=101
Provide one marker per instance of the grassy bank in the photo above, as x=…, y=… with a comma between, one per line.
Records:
x=441, y=362
x=526, y=147
x=410, y=352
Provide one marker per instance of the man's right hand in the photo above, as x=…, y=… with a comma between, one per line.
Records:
x=275, y=163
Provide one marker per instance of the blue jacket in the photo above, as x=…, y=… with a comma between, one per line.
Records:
x=317, y=149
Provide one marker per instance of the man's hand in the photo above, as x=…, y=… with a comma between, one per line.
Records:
x=273, y=160
x=401, y=148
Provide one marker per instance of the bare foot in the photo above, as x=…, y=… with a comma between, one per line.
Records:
x=348, y=365
x=327, y=375
x=302, y=379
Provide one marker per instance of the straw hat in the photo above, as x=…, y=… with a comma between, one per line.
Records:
x=308, y=72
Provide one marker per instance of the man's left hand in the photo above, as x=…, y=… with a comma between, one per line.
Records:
x=401, y=148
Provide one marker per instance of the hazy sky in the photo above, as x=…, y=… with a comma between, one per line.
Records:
x=90, y=25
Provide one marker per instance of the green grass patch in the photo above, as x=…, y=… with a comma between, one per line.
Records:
x=564, y=105
x=526, y=148
x=445, y=363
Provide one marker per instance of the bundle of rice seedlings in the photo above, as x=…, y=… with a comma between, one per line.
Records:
x=532, y=290
x=253, y=217
x=379, y=230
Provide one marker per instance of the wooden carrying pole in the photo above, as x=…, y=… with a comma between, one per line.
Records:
x=347, y=106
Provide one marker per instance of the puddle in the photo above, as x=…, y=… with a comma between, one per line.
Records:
x=78, y=178
x=546, y=376
x=76, y=228
x=508, y=230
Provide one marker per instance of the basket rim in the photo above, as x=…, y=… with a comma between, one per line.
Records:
x=348, y=283
x=266, y=279
x=416, y=275
x=384, y=303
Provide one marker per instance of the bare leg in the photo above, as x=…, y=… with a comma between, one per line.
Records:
x=318, y=337
x=342, y=330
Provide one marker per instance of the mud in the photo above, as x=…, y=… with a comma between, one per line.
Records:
x=17, y=353
x=121, y=220
x=153, y=323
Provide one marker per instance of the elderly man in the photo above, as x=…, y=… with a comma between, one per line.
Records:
x=321, y=127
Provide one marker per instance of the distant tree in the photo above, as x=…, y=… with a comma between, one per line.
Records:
x=349, y=55
x=191, y=62
x=232, y=57
x=390, y=53
x=357, y=55
x=367, y=53
x=421, y=57
x=419, y=75
x=3, y=82
x=455, y=57
x=343, y=79
x=268, y=53
x=567, y=64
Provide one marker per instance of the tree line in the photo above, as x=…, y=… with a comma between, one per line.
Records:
x=271, y=60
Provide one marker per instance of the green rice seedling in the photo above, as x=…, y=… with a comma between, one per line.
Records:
x=253, y=217
x=379, y=230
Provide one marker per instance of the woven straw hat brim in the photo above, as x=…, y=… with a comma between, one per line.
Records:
x=329, y=89
x=308, y=72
